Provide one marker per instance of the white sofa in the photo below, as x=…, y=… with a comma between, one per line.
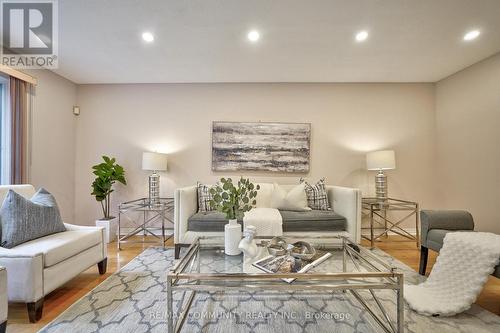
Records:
x=344, y=201
x=38, y=267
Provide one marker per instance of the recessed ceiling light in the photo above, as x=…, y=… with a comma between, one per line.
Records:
x=148, y=37
x=471, y=35
x=362, y=36
x=253, y=36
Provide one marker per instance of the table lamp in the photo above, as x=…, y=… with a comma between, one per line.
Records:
x=154, y=162
x=380, y=161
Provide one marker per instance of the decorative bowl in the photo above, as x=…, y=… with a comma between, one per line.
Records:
x=303, y=250
x=277, y=246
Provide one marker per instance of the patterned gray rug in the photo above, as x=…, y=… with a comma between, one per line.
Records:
x=133, y=300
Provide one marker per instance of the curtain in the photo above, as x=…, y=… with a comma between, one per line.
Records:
x=19, y=130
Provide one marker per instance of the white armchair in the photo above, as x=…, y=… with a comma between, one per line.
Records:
x=38, y=267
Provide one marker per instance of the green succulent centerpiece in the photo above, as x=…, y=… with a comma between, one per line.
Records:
x=107, y=174
x=234, y=199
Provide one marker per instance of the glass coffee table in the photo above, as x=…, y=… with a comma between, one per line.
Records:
x=350, y=268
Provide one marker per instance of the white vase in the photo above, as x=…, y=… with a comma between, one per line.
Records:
x=247, y=244
x=232, y=237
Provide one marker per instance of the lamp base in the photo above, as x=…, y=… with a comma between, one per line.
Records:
x=154, y=189
x=381, y=186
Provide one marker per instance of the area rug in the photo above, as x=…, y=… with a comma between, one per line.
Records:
x=134, y=300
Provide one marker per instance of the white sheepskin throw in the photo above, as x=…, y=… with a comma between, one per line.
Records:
x=457, y=278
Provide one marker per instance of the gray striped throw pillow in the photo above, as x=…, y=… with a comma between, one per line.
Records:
x=24, y=219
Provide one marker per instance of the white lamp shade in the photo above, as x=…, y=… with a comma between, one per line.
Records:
x=154, y=161
x=381, y=160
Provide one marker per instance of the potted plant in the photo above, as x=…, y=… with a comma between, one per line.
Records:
x=233, y=200
x=107, y=174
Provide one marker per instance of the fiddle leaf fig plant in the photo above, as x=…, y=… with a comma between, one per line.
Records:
x=234, y=199
x=107, y=173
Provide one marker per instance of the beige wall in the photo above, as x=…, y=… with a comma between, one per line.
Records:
x=445, y=135
x=53, y=150
x=347, y=121
x=468, y=142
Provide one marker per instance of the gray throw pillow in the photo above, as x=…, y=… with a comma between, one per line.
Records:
x=24, y=219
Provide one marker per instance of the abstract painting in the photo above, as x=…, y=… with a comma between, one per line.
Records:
x=279, y=147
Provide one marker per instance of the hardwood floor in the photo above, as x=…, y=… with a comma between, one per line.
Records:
x=62, y=298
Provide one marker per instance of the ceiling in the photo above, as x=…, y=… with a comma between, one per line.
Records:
x=301, y=41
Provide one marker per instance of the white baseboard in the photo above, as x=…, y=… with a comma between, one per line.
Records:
x=157, y=232
x=366, y=232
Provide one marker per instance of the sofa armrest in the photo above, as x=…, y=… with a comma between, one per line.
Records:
x=24, y=274
x=347, y=202
x=444, y=219
x=4, y=300
x=74, y=227
x=186, y=204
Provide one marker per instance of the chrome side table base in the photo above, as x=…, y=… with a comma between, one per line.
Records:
x=142, y=217
x=380, y=224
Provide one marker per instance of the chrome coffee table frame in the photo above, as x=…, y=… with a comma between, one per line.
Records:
x=185, y=276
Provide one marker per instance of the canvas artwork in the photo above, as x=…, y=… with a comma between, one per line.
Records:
x=278, y=147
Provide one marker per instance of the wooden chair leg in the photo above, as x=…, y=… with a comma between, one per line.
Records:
x=424, y=253
x=35, y=310
x=102, y=265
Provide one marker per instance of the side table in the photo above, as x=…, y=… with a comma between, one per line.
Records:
x=143, y=217
x=377, y=211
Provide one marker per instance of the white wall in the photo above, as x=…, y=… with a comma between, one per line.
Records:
x=347, y=121
x=468, y=139
x=53, y=140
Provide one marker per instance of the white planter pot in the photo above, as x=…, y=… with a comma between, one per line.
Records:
x=110, y=226
x=232, y=237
